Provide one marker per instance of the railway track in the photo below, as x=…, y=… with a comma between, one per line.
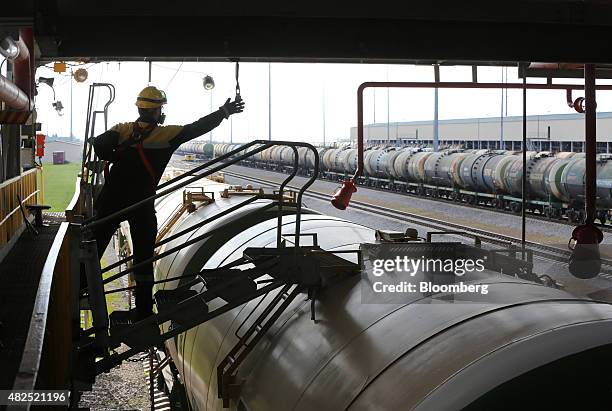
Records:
x=605, y=227
x=541, y=250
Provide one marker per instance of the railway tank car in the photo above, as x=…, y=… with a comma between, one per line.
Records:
x=425, y=354
x=555, y=181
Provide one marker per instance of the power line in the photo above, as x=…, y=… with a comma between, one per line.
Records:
x=174, y=75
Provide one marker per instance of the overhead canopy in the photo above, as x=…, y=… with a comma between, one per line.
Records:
x=421, y=31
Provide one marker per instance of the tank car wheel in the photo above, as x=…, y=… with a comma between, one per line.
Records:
x=419, y=191
x=515, y=207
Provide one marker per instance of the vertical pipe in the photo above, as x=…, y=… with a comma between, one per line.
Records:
x=359, y=131
x=524, y=176
x=150, y=69
x=591, y=143
x=23, y=74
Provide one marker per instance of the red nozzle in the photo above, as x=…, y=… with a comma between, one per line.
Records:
x=342, y=196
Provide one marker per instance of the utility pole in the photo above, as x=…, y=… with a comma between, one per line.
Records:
x=269, y=102
x=211, y=133
x=436, y=120
x=388, y=134
x=323, y=104
x=374, y=121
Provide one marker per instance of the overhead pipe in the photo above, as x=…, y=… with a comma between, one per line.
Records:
x=12, y=95
x=18, y=94
x=23, y=67
x=342, y=196
x=14, y=50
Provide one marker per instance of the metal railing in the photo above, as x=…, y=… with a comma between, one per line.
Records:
x=202, y=171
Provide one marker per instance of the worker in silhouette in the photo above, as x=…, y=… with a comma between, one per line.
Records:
x=138, y=153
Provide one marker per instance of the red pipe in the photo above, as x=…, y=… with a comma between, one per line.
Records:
x=590, y=132
x=343, y=195
x=23, y=75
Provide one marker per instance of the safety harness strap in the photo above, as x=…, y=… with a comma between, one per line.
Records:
x=145, y=162
x=139, y=134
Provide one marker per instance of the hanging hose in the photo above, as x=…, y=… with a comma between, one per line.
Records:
x=238, y=97
x=585, y=261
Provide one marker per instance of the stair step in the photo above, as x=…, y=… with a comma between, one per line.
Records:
x=167, y=299
x=120, y=320
x=179, y=305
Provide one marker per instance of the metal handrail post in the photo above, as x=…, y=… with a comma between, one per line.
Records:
x=280, y=196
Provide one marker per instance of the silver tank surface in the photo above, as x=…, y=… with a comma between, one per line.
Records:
x=426, y=354
x=573, y=177
x=538, y=176
x=438, y=167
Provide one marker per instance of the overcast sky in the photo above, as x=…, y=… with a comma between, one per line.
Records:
x=304, y=97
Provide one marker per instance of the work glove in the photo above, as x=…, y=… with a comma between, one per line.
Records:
x=233, y=107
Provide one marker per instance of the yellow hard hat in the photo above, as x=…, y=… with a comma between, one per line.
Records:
x=151, y=97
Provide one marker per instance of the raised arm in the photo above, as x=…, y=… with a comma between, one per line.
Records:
x=207, y=123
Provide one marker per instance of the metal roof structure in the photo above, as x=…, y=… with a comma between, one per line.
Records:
x=443, y=32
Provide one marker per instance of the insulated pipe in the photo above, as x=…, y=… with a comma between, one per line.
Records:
x=13, y=95
x=24, y=64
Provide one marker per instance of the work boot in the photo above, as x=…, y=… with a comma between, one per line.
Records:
x=144, y=300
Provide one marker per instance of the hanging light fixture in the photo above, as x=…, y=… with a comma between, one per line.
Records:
x=80, y=75
x=59, y=107
x=208, y=83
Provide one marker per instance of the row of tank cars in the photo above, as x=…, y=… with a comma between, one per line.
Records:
x=555, y=181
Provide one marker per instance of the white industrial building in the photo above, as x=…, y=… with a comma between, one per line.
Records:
x=547, y=132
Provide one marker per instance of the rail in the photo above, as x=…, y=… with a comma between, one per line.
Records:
x=45, y=362
x=232, y=157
